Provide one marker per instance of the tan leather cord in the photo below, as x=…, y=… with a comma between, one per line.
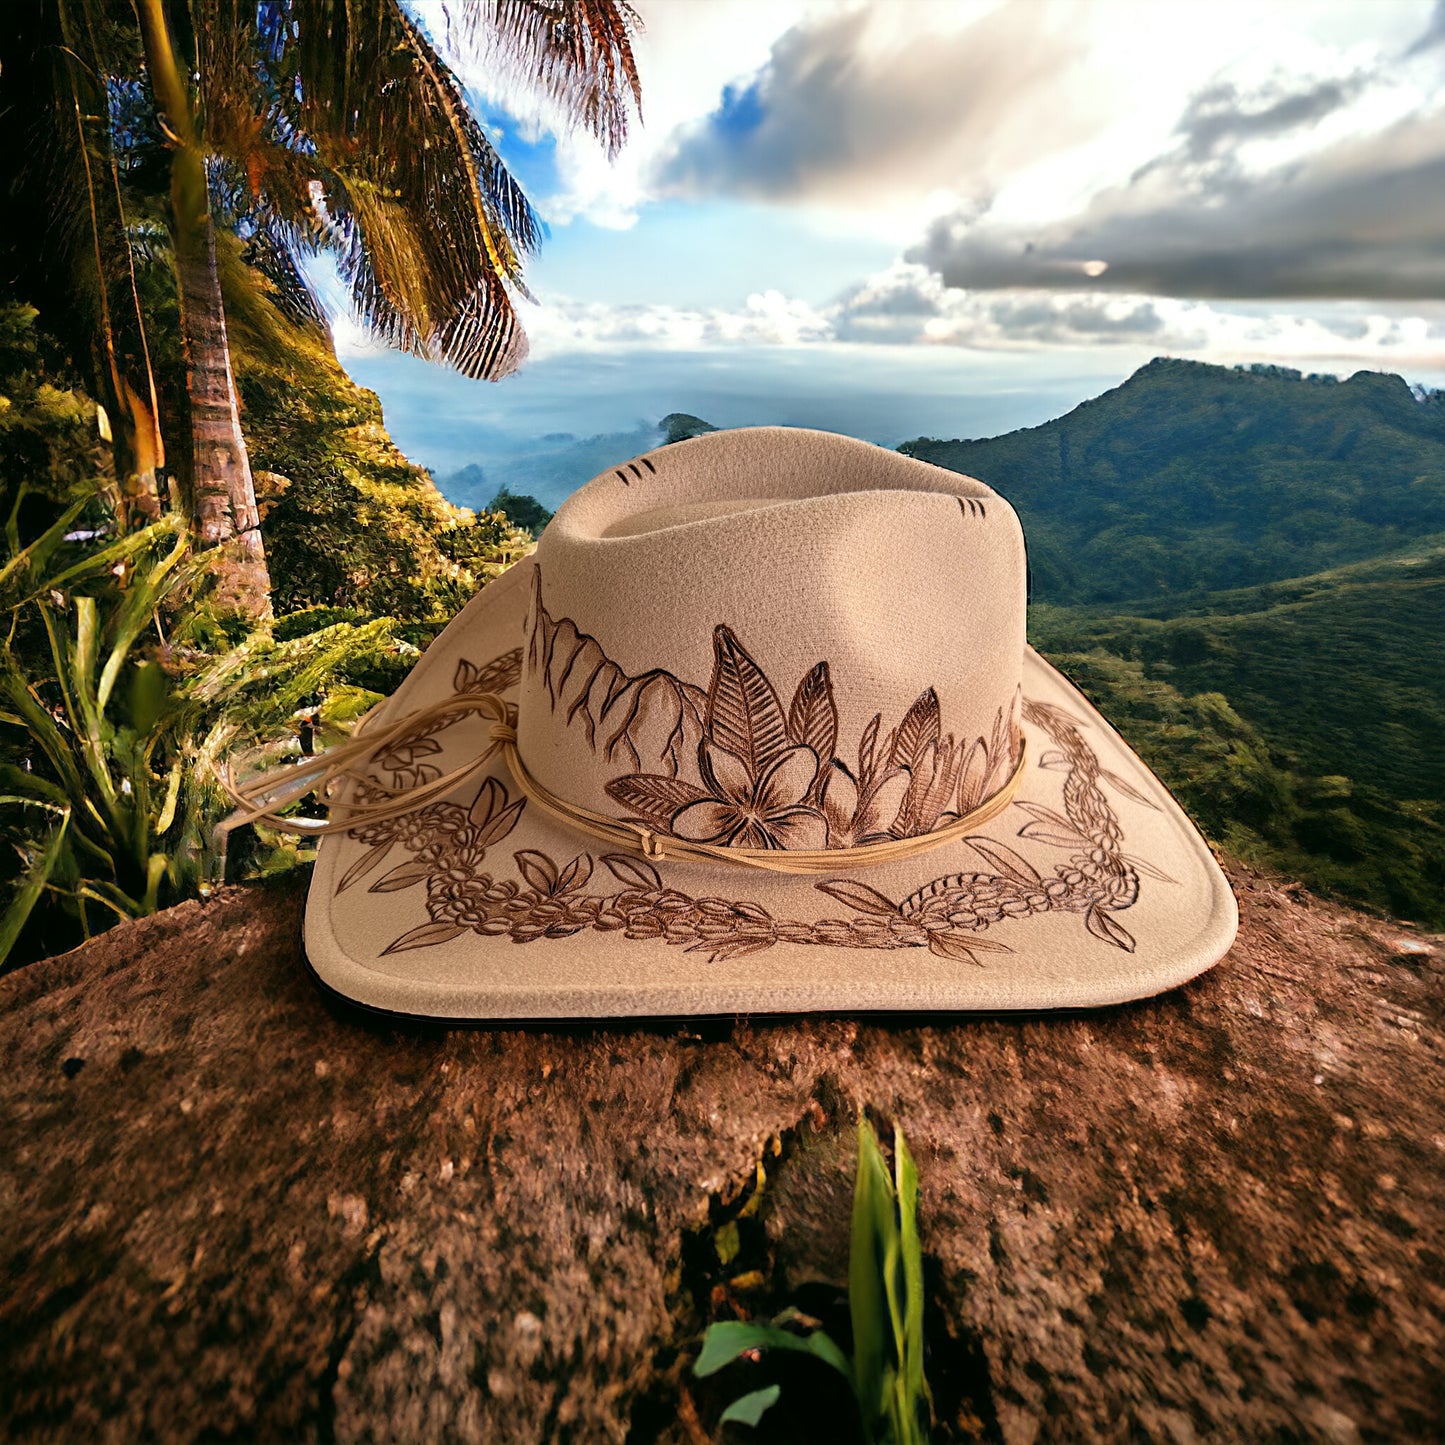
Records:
x=259, y=800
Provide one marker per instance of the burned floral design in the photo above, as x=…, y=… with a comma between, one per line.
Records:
x=451, y=848
x=770, y=779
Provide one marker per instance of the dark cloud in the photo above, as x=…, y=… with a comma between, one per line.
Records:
x=1362, y=218
x=844, y=111
x=1045, y=320
x=1220, y=116
x=906, y=299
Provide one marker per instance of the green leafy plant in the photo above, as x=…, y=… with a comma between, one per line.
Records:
x=885, y=1302
x=111, y=726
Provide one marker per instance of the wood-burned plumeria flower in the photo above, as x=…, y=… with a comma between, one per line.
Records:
x=739, y=810
x=758, y=773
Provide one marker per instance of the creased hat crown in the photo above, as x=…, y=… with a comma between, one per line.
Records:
x=776, y=638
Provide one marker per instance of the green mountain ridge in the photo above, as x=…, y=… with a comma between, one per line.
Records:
x=1192, y=478
x=1299, y=722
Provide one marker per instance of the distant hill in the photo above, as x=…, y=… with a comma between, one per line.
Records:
x=550, y=468
x=1191, y=478
x=1300, y=722
x=678, y=426
x=466, y=487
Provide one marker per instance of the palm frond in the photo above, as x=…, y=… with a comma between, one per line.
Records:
x=343, y=127
x=577, y=53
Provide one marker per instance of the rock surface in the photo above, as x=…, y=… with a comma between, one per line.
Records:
x=232, y=1210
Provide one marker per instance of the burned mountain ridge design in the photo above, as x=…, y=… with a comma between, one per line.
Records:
x=653, y=717
x=447, y=846
x=734, y=769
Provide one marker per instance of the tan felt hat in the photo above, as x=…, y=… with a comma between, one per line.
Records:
x=756, y=730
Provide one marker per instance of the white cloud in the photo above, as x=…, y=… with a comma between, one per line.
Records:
x=908, y=306
x=767, y=318
x=887, y=113
x=856, y=110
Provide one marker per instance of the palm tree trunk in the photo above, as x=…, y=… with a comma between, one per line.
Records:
x=222, y=490
x=223, y=496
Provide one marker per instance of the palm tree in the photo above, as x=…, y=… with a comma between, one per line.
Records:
x=337, y=124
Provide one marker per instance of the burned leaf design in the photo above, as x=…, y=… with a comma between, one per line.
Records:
x=813, y=716
x=653, y=798
x=538, y=869
x=402, y=877
x=498, y=828
x=1049, y=826
x=575, y=874
x=930, y=789
x=1003, y=859
x=634, y=872
x=963, y=949
x=918, y=732
x=743, y=713
x=1101, y=925
x=428, y=935
x=368, y=862
x=858, y=895
x=490, y=800
x=1128, y=790
x=973, y=777
x=498, y=675
x=1148, y=869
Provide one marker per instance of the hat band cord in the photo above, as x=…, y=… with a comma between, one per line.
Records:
x=260, y=799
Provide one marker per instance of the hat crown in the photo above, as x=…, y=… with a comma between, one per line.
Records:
x=776, y=638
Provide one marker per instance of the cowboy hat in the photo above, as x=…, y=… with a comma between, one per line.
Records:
x=756, y=729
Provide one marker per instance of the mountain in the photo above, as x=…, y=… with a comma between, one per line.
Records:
x=549, y=468
x=1256, y=563
x=679, y=426
x=1299, y=722
x=468, y=487
x=552, y=467
x=1191, y=478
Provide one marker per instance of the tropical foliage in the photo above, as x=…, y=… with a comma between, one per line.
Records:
x=111, y=730
x=350, y=523
x=311, y=124
x=182, y=161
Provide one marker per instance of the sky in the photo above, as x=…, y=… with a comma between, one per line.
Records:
x=955, y=217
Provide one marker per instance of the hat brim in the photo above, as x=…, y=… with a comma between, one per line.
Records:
x=1092, y=888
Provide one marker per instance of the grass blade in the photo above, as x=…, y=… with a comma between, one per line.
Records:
x=32, y=885
x=912, y=1355
x=867, y=1297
